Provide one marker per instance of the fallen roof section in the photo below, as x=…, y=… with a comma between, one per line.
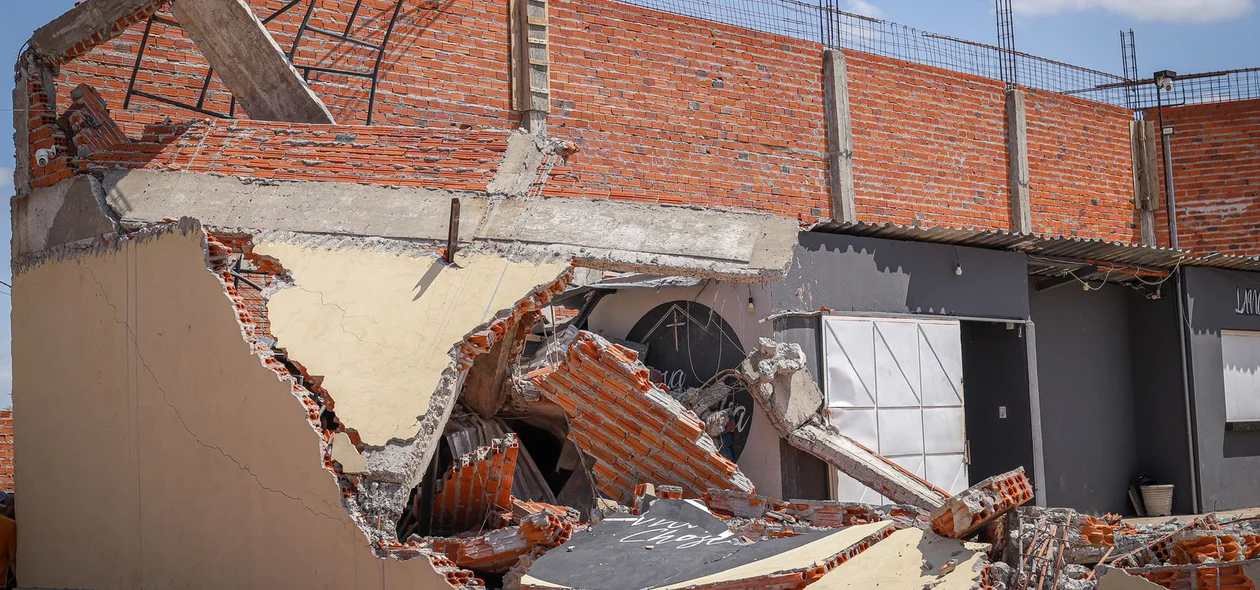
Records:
x=249, y=62
x=678, y=544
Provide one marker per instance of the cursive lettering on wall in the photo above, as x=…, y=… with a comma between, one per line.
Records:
x=1248, y=302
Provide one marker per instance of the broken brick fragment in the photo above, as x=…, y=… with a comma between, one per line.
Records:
x=634, y=430
x=497, y=551
x=476, y=484
x=964, y=514
x=1164, y=549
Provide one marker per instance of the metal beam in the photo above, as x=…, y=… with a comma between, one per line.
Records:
x=249, y=62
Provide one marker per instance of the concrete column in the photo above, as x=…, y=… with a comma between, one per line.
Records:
x=1034, y=407
x=249, y=62
x=531, y=70
x=21, y=133
x=1145, y=183
x=839, y=136
x=1017, y=150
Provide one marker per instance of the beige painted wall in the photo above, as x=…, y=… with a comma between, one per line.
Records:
x=174, y=459
x=379, y=327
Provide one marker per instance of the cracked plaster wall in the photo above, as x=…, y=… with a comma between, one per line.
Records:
x=156, y=451
x=379, y=326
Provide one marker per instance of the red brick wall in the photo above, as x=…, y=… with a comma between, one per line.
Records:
x=6, y=450
x=664, y=109
x=929, y=145
x=1216, y=171
x=1080, y=165
x=667, y=109
x=444, y=66
x=453, y=159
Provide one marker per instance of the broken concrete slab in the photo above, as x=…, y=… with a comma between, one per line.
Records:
x=780, y=381
x=635, y=431
x=969, y=511
x=249, y=61
x=1117, y=579
x=379, y=327
x=912, y=559
x=678, y=544
x=614, y=235
x=89, y=24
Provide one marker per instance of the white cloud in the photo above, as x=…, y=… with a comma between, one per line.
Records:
x=864, y=8
x=6, y=181
x=1194, y=11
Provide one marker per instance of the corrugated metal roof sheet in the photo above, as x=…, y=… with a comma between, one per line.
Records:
x=1047, y=246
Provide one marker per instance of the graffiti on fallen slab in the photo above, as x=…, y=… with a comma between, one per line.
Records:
x=671, y=534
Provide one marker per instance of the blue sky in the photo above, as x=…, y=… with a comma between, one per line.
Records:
x=1182, y=35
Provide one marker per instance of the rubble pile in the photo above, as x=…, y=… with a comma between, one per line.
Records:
x=576, y=467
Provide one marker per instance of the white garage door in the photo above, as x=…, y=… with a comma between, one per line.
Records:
x=896, y=386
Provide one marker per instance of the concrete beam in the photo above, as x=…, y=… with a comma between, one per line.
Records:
x=87, y=25
x=600, y=234
x=839, y=136
x=249, y=62
x=866, y=466
x=784, y=389
x=1017, y=150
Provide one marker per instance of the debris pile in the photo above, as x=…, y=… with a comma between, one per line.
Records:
x=566, y=462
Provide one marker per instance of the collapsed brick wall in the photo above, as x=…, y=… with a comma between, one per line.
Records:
x=669, y=109
x=674, y=110
x=1216, y=173
x=1080, y=165
x=6, y=451
x=929, y=145
x=446, y=64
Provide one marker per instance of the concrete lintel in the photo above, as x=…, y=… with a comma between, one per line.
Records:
x=92, y=21
x=249, y=62
x=602, y=234
x=1017, y=150
x=839, y=136
x=62, y=214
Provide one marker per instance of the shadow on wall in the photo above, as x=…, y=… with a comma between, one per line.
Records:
x=848, y=273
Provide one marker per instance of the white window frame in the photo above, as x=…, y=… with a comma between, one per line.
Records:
x=1240, y=365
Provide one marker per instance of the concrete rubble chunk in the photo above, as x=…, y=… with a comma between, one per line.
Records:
x=783, y=387
x=964, y=514
x=249, y=62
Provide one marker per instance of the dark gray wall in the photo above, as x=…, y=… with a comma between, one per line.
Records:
x=1229, y=462
x=1163, y=448
x=995, y=367
x=805, y=477
x=854, y=274
x=1088, y=428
